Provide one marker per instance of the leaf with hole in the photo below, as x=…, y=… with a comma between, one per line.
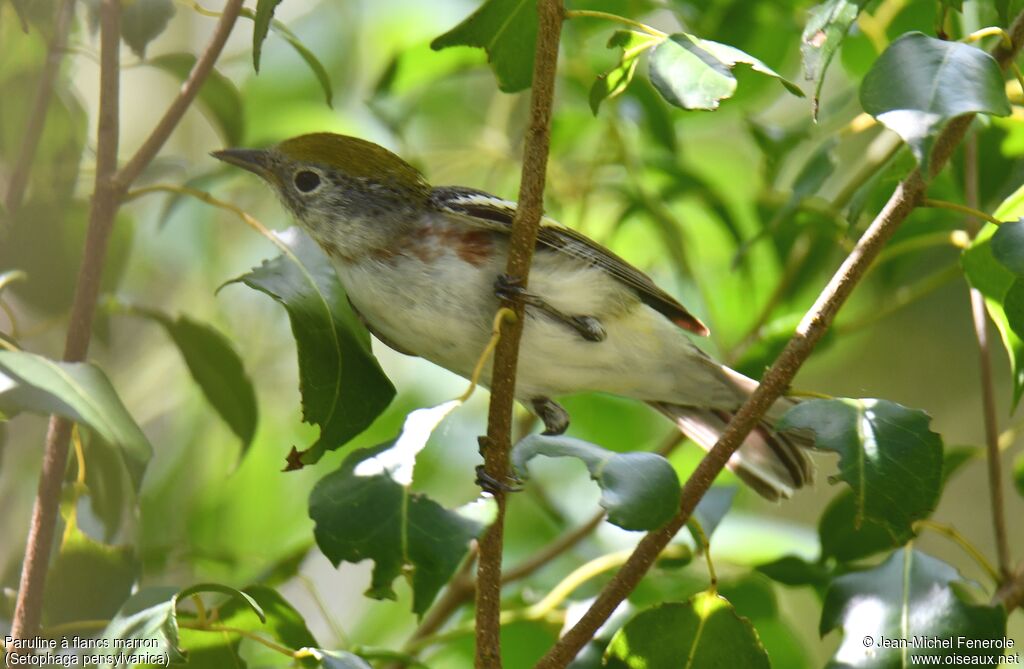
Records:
x=507, y=31
x=910, y=595
x=639, y=490
x=218, y=96
x=79, y=391
x=694, y=73
x=827, y=25
x=343, y=388
x=706, y=630
x=919, y=83
x=889, y=457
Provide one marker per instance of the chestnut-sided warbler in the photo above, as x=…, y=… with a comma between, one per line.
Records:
x=420, y=265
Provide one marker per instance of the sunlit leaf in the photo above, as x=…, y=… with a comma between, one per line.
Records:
x=142, y=21
x=919, y=83
x=88, y=580
x=507, y=31
x=639, y=490
x=911, y=595
x=218, y=96
x=827, y=25
x=694, y=73
x=216, y=367
x=261, y=25
x=616, y=80
x=888, y=456
x=79, y=391
x=343, y=388
x=706, y=631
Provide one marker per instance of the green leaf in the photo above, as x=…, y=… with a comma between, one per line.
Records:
x=887, y=454
x=1008, y=246
x=613, y=82
x=909, y=595
x=827, y=25
x=694, y=73
x=993, y=280
x=216, y=367
x=1018, y=474
x=308, y=56
x=79, y=391
x=956, y=457
x=343, y=388
x=218, y=96
x=365, y=510
x=792, y=570
x=712, y=508
x=639, y=490
x=149, y=625
x=846, y=537
x=88, y=580
x=261, y=25
x=919, y=83
x=507, y=31
x=706, y=630
x=234, y=593
x=142, y=21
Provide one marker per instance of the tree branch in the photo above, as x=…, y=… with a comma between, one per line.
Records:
x=110, y=186
x=166, y=125
x=496, y=445
x=1011, y=594
x=101, y=217
x=37, y=115
x=908, y=195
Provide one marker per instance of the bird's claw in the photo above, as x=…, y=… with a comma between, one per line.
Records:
x=492, y=485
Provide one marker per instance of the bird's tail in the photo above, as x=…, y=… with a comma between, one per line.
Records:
x=773, y=463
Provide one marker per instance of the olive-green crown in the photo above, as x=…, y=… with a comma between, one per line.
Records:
x=352, y=156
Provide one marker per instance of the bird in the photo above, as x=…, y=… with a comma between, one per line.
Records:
x=422, y=267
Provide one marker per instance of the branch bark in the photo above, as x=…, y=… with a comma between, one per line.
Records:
x=40, y=104
x=908, y=195
x=496, y=445
x=110, y=186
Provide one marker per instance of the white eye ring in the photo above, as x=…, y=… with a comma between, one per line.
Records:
x=307, y=181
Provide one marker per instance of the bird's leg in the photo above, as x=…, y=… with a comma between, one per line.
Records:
x=587, y=327
x=553, y=414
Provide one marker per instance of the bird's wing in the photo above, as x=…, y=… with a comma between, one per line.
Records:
x=493, y=213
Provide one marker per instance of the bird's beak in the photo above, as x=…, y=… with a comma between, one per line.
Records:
x=254, y=160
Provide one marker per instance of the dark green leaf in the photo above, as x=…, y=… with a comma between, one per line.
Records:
x=693, y=73
x=955, y=457
x=361, y=513
x=147, y=618
x=706, y=631
x=639, y=490
x=887, y=454
x=79, y=391
x=216, y=367
x=88, y=580
x=507, y=31
x=343, y=388
x=919, y=83
x=1018, y=474
x=142, y=21
x=844, y=538
x=795, y=571
x=1008, y=246
x=308, y=56
x=218, y=96
x=616, y=80
x=261, y=25
x=908, y=596
x=827, y=25
x=234, y=593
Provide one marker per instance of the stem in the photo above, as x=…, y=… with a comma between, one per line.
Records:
x=907, y=195
x=496, y=445
x=101, y=218
x=963, y=209
x=37, y=115
x=587, y=13
x=201, y=627
x=108, y=190
x=953, y=535
x=1011, y=595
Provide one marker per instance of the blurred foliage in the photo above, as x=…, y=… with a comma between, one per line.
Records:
x=743, y=214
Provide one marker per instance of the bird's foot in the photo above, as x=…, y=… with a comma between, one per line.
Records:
x=492, y=485
x=553, y=415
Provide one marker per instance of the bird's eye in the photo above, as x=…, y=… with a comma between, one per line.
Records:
x=307, y=181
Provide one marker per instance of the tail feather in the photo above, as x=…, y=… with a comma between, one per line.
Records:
x=772, y=463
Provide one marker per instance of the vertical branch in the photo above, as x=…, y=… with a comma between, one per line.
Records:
x=496, y=445
x=101, y=217
x=988, y=395
x=40, y=104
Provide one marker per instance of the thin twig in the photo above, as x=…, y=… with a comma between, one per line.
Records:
x=907, y=195
x=496, y=445
x=968, y=210
x=37, y=115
